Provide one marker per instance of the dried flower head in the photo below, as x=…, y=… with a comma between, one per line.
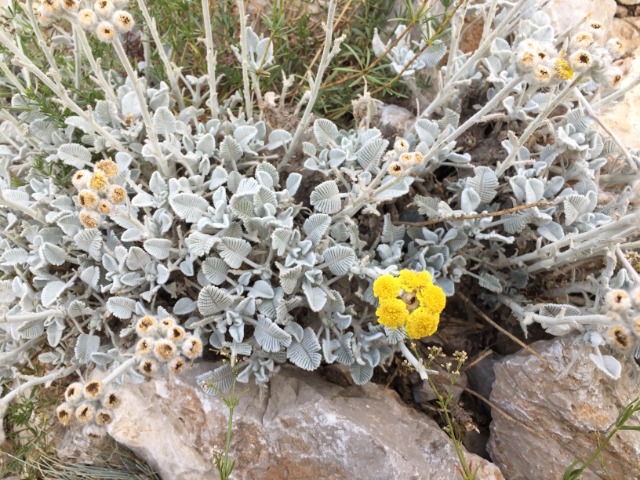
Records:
x=87, y=198
x=93, y=389
x=613, y=76
x=94, y=432
x=85, y=413
x=104, y=206
x=144, y=347
x=166, y=324
x=164, y=350
x=395, y=169
x=104, y=8
x=146, y=325
x=51, y=8
x=98, y=182
x=116, y=194
x=580, y=60
x=596, y=29
x=89, y=219
x=418, y=158
x=71, y=6
x=148, y=366
x=108, y=167
x=111, y=400
x=87, y=19
x=105, y=32
x=401, y=145
x=582, y=40
x=406, y=159
x=80, y=179
x=618, y=300
x=64, y=412
x=176, y=365
x=542, y=74
x=123, y=21
x=620, y=338
x=176, y=334
x=526, y=59
x=104, y=417
x=73, y=393
x=192, y=347
x=615, y=47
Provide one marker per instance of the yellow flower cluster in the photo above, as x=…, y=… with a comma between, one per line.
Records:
x=410, y=300
x=91, y=188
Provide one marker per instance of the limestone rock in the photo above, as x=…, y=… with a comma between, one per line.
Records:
x=559, y=420
x=303, y=428
x=629, y=2
x=395, y=120
x=565, y=13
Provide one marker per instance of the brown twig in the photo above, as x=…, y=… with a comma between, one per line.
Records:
x=499, y=213
x=486, y=318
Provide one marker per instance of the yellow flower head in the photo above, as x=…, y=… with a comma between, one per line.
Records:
x=98, y=182
x=432, y=299
x=386, y=286
x=422, y=323
x=562, y=69
x=392, y=313
x=411, y=281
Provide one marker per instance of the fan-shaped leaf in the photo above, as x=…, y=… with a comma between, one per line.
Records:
x=91, y=276
x=339, y=259
x=215, y=270
x=53, y=254
x=137, y=259
x=490, y=282
x=233, y=250
x=75, y=155
x=316, y=226
x=86, y=345
x=200, y=244
x=370, y=154
x=206, y=144
x=325, y=131
x=244, y=134
x=90, y=241
x=230, y=150
x=574, y=206
x=212, y=300
x=263, y=197
x=326, y=197
x=361, y=374
x=184, y=306
x=188, y=206
x=289, y=278
x=217, y=381
x=270, y=336
x=469, y=200
x=121, y=307
x=485, y=184
x=305, y=353
x=52, y=291
x=316, y=297
x=158, y=247
x=164, y=121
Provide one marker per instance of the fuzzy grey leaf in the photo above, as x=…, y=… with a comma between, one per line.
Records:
x=316, y=297
x=316, y=226
x=233, y=250
x=158, y=247
x=91, y=276
x=293, y=183
x=212, y=300
x=86, y=345
x=184, y=306
x=137, y=259
x=52, y=291
x=52, y=254
x=217, y=381
x=200, y=244
x=206, y=144
x=75, y=155
x=339, y=259
x=164, y=122
x=370, y=154
x=188, y=206
x=574, y=205
x=230, y=150
x=361, y=374
x=305, y=353
x=289, y=278
x=121, y=307
x=215, y=270
x=490, y=282
x=390, y=232
x=469, y=200
x=326, y=197
x=325, y=131
x=485, y=184
x=270, y=336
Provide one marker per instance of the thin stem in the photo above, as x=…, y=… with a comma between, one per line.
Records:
x=107, y=88
x=118, y=371
x=327, y=54
x=245, y=60
x=211, y=60
x=4, y=401
x=414, y=361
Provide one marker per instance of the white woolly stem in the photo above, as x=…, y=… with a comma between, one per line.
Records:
x=327, y=54
x=413, y=361
x=119, y=370
x=4, y=401
x=245, y=60
x=100, y=79
x=211, y=60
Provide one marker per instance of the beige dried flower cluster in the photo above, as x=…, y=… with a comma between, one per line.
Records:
x=97, y=195
x=585, y=52
x=165, y=344
x=90, y=405
x=104, y=18
x=624, y=308
x=401, y=159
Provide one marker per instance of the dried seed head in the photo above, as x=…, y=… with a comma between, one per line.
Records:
x=116, y=194
x=85, y=413
x=111, y=400
x=614, y=77
x=148, y=366
x=51, y=8
x=94, y=432
x=104, y=8
x=615, y=47
x=104, y=206
x=176, y=334
x=123, y=21
x=87, y=19
x=147, y=325
x=73, y=393
x=80, y=179
x=395, y=169
x=542, y=74
x=165, y=325
x=144, y=347
x=582, y=40
x=581, y=60
x=104, y=417
x=93, y=389
x=176, y=365
x=87, y=198
x=64, y=412
x=618, y=300
x=164, y=350
x=620, y=338
x=70, y=5
x=526, y=59
x=192, y=347
x=406, y=159
x=89, y=219
x=106, y=32
x=98, y=182
x=401, y=145
x=596, y=29
x=418, y=158
x=108, y=167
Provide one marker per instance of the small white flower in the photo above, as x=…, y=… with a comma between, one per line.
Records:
x=106, y=32
x=104, y=8
x=123, y=21
x=88, y=21
x=580, y=60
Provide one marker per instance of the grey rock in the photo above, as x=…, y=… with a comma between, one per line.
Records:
x=554, y=421
x=302, y=428
x=395, y=120
x=422, y=391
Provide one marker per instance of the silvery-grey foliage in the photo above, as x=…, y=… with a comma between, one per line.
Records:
x=271, y=265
